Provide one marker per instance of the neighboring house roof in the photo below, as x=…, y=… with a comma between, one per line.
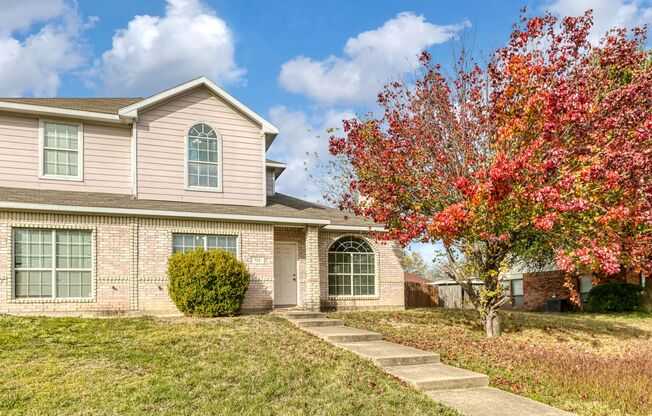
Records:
x=280, y=208
x=411, y=277
x=96, y=105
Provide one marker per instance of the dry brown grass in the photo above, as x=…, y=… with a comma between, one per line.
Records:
x=589, y=364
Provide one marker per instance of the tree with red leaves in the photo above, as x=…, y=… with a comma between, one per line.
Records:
x=545, y=151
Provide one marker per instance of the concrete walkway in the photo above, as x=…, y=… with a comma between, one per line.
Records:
x=464, y=390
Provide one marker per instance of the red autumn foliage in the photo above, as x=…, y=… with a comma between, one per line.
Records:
x=550, y=142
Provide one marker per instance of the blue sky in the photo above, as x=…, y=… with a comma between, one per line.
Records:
x=304, y=65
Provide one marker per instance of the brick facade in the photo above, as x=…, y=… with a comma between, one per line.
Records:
x=130, y=261
x=539, y=287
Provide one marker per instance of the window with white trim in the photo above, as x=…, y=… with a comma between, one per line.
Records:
x=203, y=157
x=513, y=289
x=52, y=263
x=61, y=150
x=188, y=242
x=351, y=268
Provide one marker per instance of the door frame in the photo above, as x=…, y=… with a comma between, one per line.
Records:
x=296, y=265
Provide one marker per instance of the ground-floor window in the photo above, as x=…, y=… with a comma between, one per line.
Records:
x=52, y=263
x=188, y=242
x=351, y=268
x=586, y=284
x=514, y=290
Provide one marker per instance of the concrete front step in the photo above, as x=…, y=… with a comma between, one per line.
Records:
x=303, y=315
x=311, y=323
x=487, y=401
x=438, y=377
x=340, y=334
x=387, y=354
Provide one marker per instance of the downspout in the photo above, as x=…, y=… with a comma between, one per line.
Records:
x=264, y=149
x=134, y=160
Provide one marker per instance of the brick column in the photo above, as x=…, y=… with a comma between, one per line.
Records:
x=311, y=296
x=133, y=263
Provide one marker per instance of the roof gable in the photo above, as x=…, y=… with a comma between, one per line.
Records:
x=133, y=109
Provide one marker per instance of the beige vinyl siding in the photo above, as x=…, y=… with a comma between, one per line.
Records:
x=269, y=180
x=162, y=157
x=106, y=153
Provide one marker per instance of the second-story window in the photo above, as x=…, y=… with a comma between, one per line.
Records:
x=61, y=150
x=203, y=157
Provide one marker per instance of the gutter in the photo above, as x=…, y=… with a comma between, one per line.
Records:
x=361, y=228
x=60, y=112
x=26, y=206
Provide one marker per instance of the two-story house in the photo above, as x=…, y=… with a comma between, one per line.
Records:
x=96, y=193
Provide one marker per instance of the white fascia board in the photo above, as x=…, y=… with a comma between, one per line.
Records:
x=59, y=112
x=132, y=110
x=159, y=213
x=278, y=168
x=276, y=165
x=335, y=227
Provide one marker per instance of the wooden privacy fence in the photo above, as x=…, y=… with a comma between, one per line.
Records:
x=419, y=295
x=451, y=296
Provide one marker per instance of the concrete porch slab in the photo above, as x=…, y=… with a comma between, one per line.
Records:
x=339, y=334
x=387, y=354
x=487, y=401
x=438, y=377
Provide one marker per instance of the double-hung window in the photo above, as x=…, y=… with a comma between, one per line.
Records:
x=188, y=242
x=61, y=150
x=513, y=289
x=586, y=284
x=52, y=263
x=204, y=158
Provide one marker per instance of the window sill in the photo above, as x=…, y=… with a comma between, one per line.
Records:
x=52, y=300
x=204, y=189
x=363, y=297
x=62, y=178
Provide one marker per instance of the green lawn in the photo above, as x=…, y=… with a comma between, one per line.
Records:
x=588, y=364
x=256, y=365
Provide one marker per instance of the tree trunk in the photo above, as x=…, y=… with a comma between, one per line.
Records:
x=492, y=323
x=647, y=300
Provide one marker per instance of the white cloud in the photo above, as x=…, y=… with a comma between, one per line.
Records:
x=301, y=137
x=33, y=64
x=156, y=52
x=370, y=60
x=20, y=15
x=607, y=14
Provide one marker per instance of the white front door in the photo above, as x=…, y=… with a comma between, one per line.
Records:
x=285, y=273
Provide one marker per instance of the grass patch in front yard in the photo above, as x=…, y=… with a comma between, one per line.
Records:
x=256, y=365
x=588, y=364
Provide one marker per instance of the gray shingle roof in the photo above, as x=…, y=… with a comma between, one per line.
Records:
x=277, y=206
x=97, y=105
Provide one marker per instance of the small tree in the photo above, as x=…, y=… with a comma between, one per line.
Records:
x=413, y=262
x=207, y=283
x=545, y=151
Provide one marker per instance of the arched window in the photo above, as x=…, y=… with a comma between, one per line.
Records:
x=351, y=268
x=203, y=157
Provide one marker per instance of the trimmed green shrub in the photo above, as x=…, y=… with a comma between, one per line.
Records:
x=207, y=283
x=615, y=297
